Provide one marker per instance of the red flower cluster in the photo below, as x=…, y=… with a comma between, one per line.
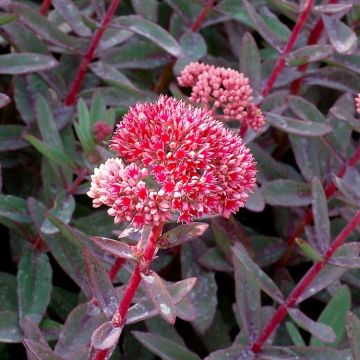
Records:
x=194, y=164
x=225, y=89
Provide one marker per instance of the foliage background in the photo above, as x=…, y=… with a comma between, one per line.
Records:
x=307, y=159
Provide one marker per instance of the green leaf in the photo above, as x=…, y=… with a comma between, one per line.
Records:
x=64, y=206
x=51, y=153
x=8, y=295
x=294, y=126
x=294, y=334
x=287, y=193
x=308, y=54
x=24, y=63
x=11, y=137
x=250, y=62
x=255, y=272
x=353, y=332
x=164, y=348
x=47, y=124
x=97, y=109
x=10, y=331
x=7, y=18
x=152, y=32
x=308, y=250
x=14, y=208
x=321, y=215
x=72, y=15
x=334, y=316
x=83, y=127
x=203, y=295
x=34, y=286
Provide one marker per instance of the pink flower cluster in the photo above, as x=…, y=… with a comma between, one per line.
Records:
x=224, y=89
x=102, y=131
x=357, y=103
x=181, y=160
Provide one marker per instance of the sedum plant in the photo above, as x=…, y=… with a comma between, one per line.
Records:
x=219, y=143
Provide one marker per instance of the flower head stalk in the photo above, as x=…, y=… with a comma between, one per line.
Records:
x=180, y=160
x=222, y=89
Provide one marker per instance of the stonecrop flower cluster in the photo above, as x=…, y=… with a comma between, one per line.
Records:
x=225, y=89
x=175, y=159
x=357, y=103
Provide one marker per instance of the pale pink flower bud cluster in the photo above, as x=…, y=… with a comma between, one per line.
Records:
x=357, y=103
x=194, y=164
x=224, y=89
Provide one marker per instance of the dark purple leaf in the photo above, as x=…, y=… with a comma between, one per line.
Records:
x=267, y=249
x=308, y=54
x=156, y=289
x=317, y=329
x=255, y=272
x=294, y=126
x=256, y=202
x=114, y=247
x=105, y=336
x=248, y=301
x=34, y=286
x=343, y=38
x=40, y=352
x=353, y=332
x=181, y=234
x=287, y=193
x=100, y=284
x=78, y=327
x=321, y=215
x=213, y=259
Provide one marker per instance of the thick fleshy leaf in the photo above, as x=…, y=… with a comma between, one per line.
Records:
x=72, y=15
x=40, y=352
x=349, y=184
x=66, y=249
x=317, y=329
x=11, y=137
x=334, y=315
x=14, y=208
x=64, y=206
x=78, y=327
x=250, y=62
x=34, y=286
x=148, y=9
x=194, y=48
x=152, y=32
x=353, y=332
x=115, y=247
x=308, y=250
x=256, y=201
x=164, y=348
x=8, y=295
x=342, y=37
x=203, y=295
x=83, y=127
x=24, y=63
x=10, y=331
x=334, y=78
x=156, y=289
x=248, y=301
x=141, y=311
x=287, y=193
x=51, y=153
x=105, y=336
x=181, y=234
x=262, y=27
x=213, y=259
x=100, y=284
x=308, y=54
x=294, y=126
x=347, y=256
x=254, y=271
x=321, y=215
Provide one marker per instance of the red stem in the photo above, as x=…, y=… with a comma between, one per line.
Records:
x=119, y=317
x=202, y=16
x=75, y=184
x=90, y=52
x=45, y=6
x=304, y=284
x=312, y=40
x=288, y=47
